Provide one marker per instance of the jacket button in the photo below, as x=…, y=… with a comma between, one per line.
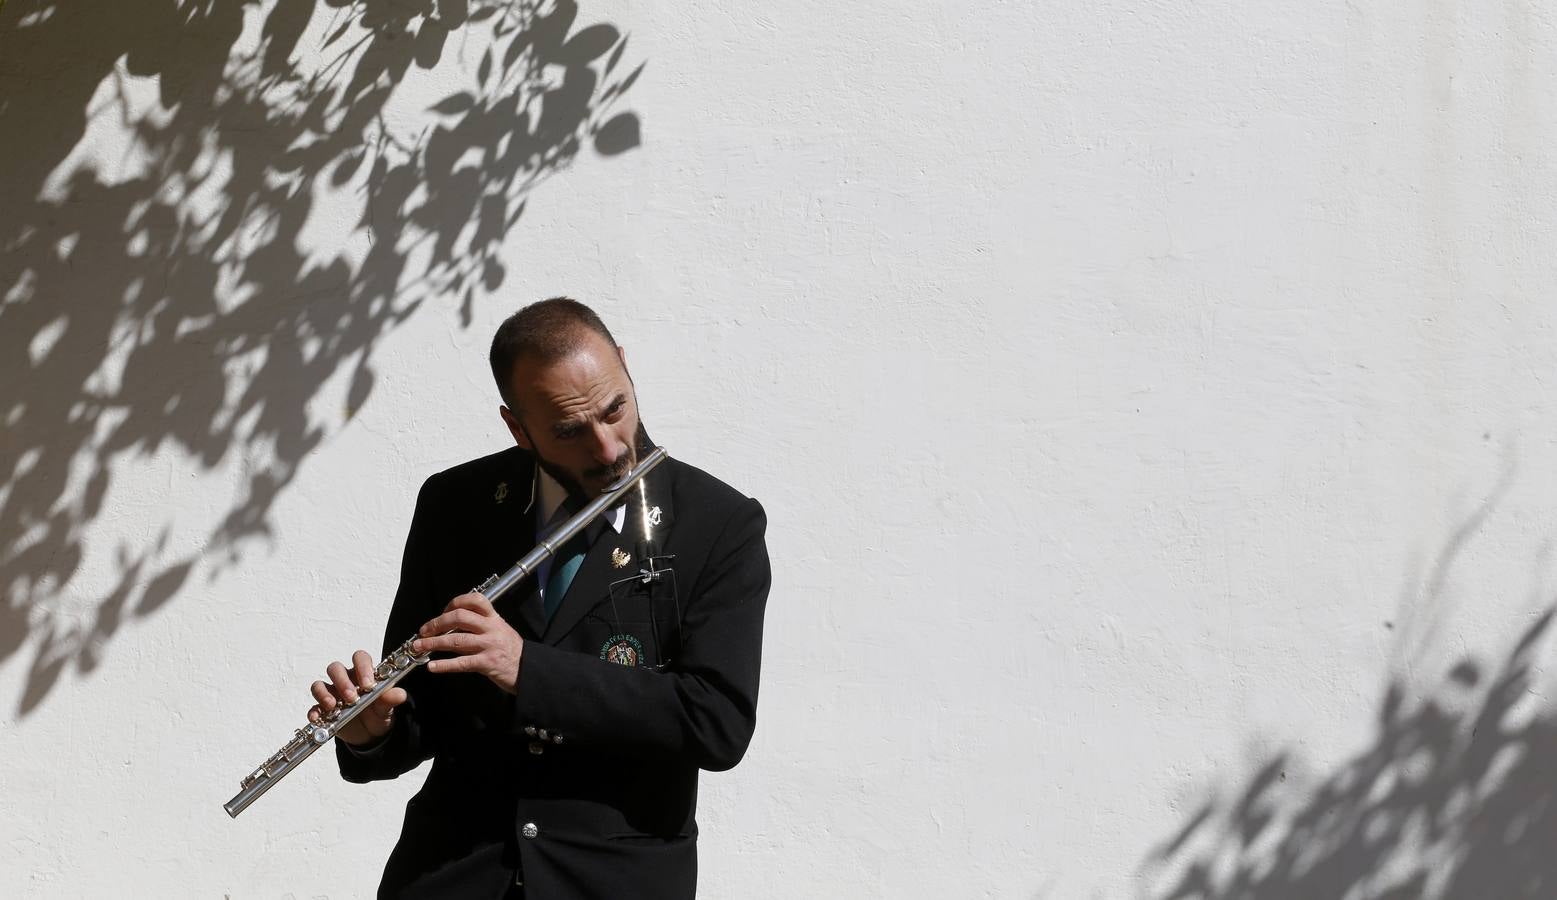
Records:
x=529, y=730
x=542, y=735
x=537, y=748
x=556, y=738
x=529, y=830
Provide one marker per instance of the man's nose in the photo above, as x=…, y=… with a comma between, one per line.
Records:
x=604, y=444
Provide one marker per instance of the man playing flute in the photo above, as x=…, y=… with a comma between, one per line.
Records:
x=566, y=722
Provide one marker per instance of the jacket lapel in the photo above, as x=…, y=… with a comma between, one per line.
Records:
x=513, y=535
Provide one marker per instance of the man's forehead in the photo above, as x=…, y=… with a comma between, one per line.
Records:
x=585, y=370
x=555, y=399
x=568, y=403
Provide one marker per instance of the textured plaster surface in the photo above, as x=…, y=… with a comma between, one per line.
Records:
x=1138, y=393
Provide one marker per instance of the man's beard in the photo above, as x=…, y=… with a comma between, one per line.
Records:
x=610, y=473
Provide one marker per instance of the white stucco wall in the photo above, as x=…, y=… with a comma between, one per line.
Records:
x=1140, y=395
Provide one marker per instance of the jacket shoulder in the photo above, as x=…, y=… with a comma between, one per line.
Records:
x=507, y=467
x=708, y=492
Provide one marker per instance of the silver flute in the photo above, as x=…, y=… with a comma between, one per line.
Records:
x=402, y=661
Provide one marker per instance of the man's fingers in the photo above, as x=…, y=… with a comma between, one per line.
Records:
x=362, y=668
x=461, y=642
x=348, y=686
x=454, y=620
x=387, y=701
x=322, y=697
x=472, y=601
x=455, y=664
x=341, y=682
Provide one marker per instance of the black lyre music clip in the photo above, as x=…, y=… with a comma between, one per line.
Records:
x=653, y=564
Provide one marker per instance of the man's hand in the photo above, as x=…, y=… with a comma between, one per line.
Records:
x=371, y=724
x=484, y=642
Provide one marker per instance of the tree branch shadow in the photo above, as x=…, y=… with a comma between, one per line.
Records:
x=167, y=300
x=1453, y=797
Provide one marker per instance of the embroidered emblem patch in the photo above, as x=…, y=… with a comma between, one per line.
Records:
x=620, y=558
x=502, y=492
x=654, y=516
x=622, y=649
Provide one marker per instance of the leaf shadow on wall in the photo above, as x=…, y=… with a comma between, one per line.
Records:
x=1455, y=797
x=168, y=303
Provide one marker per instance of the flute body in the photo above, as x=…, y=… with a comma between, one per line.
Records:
x=402, y=661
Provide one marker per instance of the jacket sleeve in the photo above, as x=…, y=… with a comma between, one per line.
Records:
x=407, y=744
x=703, y=708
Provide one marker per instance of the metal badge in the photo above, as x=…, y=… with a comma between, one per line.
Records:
x=620, y=558
x=502, y=492
x=622, y=649
x=654, y=516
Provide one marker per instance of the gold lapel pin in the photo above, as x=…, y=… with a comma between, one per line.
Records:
x=620, y=558
x=502, y=492
x=654, y=516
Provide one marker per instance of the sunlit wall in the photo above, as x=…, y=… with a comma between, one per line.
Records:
x=1152, y=404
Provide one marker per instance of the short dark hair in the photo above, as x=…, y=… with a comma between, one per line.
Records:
x=546, y=330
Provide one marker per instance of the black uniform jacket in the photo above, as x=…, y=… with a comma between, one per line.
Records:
x=584, y=784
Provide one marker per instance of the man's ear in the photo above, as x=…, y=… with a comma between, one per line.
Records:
x=514, y=428
x=621, y=352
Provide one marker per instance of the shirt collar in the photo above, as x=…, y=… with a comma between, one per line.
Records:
x=551, y=496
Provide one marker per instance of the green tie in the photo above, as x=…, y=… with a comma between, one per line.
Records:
x=564, y=565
